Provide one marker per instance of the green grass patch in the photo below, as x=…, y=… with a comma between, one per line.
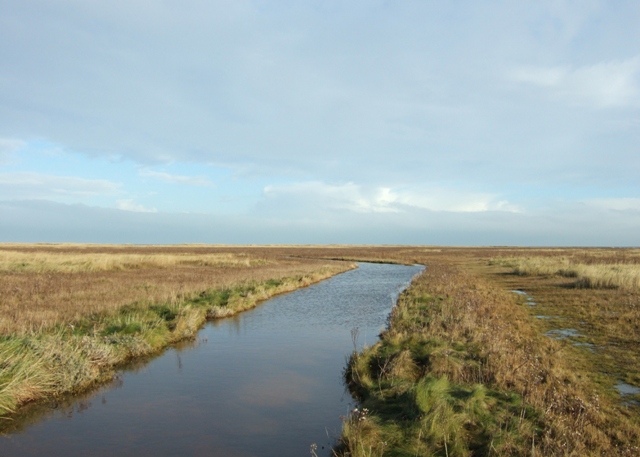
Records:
x=406, y=412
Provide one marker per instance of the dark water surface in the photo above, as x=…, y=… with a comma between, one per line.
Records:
x=267, y=382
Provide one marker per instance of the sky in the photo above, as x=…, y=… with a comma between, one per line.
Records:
x=371, y=122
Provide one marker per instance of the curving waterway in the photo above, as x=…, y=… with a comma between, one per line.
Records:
x=267, y=382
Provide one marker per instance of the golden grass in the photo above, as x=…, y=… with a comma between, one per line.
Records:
x=60, y=285
x=590, y=275
x=66, y=262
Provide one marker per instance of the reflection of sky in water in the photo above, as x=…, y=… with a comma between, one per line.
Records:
x=558, y=334
x=627, y=389
x=530, y=301
x=266, y=382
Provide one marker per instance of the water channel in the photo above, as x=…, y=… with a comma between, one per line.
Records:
x=267, y=382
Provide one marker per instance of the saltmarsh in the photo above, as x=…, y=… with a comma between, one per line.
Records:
x=467, y=367
x=71, y=314
x=598, y=319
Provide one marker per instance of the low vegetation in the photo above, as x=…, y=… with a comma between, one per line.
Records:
x=589, y=275
x=77, y=262
x=53, y=285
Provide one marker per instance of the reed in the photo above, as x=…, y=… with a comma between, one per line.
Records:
x=71, y=262
x=594, y=275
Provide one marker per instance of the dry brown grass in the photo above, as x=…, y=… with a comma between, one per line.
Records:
x=62, y=284
x=598, y=273
x=477, y=332
x=68, y=262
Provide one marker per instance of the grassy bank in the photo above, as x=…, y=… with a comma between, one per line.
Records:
x=463, y=370
x=70, y=318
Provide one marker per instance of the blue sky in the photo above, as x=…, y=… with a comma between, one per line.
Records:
x=409, y=122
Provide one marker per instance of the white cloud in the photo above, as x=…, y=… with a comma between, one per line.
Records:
x=605, y=84
x=540, y=76
x=9, y=146
x=129, y=205
x=347, y=196
x=616, y=204
x=363, y=199
x=379, y=97
x=200, y=181
x=28, y=185
x=568, y=223
x=454, y=200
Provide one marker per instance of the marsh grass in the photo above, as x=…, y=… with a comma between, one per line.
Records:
x=58, y=290
x=75, y=262
x=463, y=371
x=594, y=275
x=607, y=321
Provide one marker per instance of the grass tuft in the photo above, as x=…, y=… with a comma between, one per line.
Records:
x=462, y=370
x=593, y=275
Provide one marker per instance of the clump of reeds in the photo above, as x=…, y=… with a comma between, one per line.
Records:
x=592, y=275
x=74, y=262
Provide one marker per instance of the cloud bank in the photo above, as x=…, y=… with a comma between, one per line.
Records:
x=494, y=123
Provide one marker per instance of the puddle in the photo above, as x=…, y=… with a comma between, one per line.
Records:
x=562, y=333
x=540, y=316
x=530, y=301
x=588, y=346
x=625, y=389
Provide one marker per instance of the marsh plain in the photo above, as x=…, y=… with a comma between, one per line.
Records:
x=465, y=367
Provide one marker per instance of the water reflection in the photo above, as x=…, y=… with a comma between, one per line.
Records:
x=265, y=383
